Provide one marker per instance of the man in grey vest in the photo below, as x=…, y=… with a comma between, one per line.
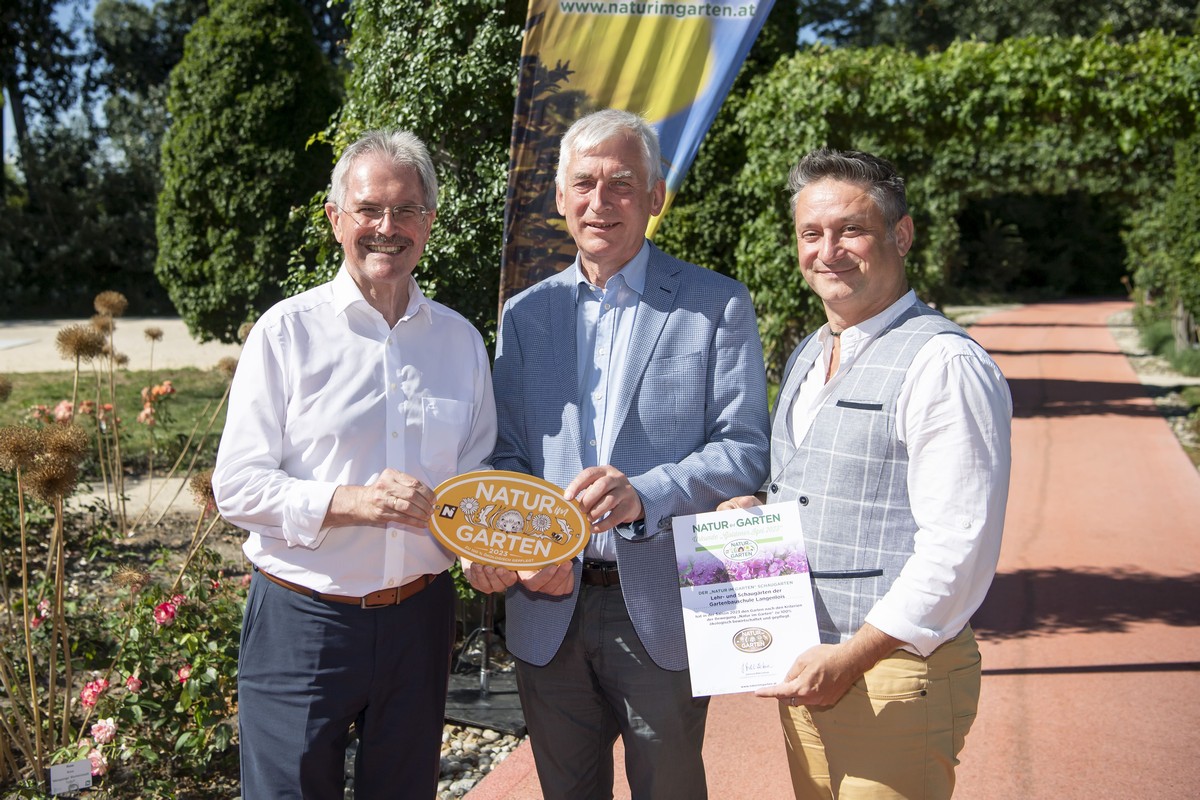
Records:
x=891, y=432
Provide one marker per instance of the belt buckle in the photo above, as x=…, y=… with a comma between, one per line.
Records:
x=367, y=601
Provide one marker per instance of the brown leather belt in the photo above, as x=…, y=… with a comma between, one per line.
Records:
x=600, y=573
x=377, y=599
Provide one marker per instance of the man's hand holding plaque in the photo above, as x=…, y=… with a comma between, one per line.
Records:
x=508, y=526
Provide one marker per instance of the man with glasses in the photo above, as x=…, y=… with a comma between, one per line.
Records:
x=350, y=401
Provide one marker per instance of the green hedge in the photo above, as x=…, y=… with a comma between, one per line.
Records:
x=446, y=72
x=1024, y=116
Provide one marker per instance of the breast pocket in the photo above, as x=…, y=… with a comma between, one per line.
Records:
x=670, y=406
x=678, y=382
x=444, y=426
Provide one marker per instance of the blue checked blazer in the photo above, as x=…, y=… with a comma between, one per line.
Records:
x=692, y=430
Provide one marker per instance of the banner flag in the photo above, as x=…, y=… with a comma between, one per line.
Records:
x=671, y=62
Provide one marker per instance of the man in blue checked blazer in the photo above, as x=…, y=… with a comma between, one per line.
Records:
x=635, y=381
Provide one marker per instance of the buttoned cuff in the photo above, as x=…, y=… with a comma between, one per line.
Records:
x=632, y=530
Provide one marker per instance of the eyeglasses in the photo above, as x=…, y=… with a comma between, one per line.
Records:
x=370, y=216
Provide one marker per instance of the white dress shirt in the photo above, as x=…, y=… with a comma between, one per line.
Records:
x=603, y=329
x=326, y=394
x=954, y=416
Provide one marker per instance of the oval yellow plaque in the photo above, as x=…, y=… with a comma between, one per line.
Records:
x=507, y=519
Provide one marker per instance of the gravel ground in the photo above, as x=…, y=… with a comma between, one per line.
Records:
x=468, y=754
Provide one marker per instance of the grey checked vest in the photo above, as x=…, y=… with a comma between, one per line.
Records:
x=849, y=475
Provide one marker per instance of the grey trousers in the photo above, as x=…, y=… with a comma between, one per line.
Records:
x=602, y=684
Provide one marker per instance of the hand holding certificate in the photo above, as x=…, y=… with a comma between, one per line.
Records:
x=747, y=597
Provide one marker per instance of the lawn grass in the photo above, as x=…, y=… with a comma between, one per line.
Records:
x=198, y=396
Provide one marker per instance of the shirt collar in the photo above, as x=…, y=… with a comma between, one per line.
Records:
x=347, y=295
x=872, y=327
x=633, y=273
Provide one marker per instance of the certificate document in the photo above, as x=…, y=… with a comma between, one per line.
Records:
x=747, y=596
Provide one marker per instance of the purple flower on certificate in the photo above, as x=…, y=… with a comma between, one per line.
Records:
x=708, y=568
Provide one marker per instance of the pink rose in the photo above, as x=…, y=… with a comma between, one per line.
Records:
x=178, y=600
x=184, y=673
x=36, y=622
x=91, y=691
x=44, y=608
x=99, y=762
x=164, y=614
x=63, y=411
x=133, y=684
x=104, y=731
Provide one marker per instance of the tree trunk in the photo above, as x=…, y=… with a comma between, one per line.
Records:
x=1184, y=326
x=29, y=163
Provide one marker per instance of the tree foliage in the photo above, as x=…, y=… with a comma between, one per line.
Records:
x=925, y=25
x=445, y=71
x=88, y=231
x=1025, y=116
x=1164, y=244
x=1182, y=265
x=79, y=207
x=251, y=89
x=37, y=63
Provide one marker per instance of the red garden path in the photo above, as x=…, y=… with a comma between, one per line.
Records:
x=1091, y=652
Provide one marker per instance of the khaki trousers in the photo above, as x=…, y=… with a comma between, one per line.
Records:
x=896, y=734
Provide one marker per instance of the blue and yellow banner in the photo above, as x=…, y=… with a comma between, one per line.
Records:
x=671, y=62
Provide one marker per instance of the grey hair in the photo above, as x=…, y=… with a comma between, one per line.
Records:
x=596, y=128
x=402, y=148
x=878, y=175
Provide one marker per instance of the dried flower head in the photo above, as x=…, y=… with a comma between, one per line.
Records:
x=69, y=441
x=20, y=446
x=202, y=491
x=102, y=323
x=136, y=579
x=227, y=366
x=121, y=360
x=244, y=331
x=52, y=477
x=5, y=388
x=154, y=334
x=81, y=342
x=111, y=303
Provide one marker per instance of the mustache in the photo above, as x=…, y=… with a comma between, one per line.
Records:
x=387, y=241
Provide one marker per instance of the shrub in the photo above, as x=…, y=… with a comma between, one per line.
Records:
x=251, y=89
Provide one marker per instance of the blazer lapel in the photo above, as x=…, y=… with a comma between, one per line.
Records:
x=658, y=300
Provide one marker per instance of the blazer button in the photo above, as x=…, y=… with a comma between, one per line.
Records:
x=774, y=488
x=803, y=500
